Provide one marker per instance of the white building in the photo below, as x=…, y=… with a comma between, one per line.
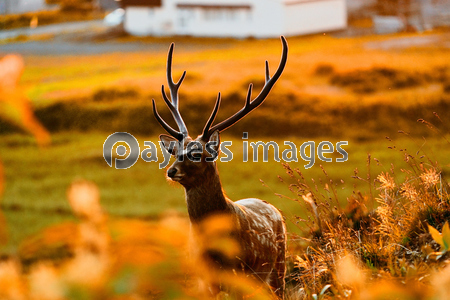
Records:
x=233, y=18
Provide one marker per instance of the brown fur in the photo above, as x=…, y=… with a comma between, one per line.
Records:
x=258, y=227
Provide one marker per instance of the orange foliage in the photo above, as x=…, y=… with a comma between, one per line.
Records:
x=120, y=258
x=14, y=105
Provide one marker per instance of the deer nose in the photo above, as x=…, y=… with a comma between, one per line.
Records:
x=171, y=172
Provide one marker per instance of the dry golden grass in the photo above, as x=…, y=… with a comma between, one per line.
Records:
x=369, y=91
x=353, y=252
x=376, y=247
x=210, y=69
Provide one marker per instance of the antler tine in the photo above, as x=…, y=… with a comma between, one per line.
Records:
x=173, y=102
x=172, y=85
x=211, y=119
x=252, y=104
x=178, y=135
x=267, y=71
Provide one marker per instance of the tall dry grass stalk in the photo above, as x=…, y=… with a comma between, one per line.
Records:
x=367, y=250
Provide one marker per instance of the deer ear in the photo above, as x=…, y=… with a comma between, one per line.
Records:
x=170, y=143
x=215, y=138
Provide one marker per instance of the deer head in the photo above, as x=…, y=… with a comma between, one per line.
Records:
x=195, y=157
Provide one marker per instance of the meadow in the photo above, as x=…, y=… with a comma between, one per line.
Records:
x=334, y=89
x=37, y=179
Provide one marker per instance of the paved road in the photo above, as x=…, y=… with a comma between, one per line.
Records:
x=85, y=38
x=60, y=47
x=68, y=27
x=68, y=39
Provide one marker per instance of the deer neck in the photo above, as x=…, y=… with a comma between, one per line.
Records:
x=206, y=197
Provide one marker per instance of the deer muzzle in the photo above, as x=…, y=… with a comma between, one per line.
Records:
x=172, y=172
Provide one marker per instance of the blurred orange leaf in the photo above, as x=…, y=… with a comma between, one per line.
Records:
x=436, y=235
x=14, y=105
x=1, y=179
x=446, y=236
x=3, y=231
x=443, y=239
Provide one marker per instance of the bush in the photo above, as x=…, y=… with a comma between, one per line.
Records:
x=324, y=70
x=378, y=79
x=447, y=87
x=128, y=110
x=112, y=94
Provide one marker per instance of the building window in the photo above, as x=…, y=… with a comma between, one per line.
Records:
x=213, y=14
x=231, y=14
x=249, y=15
x=210, y=12
x=184, y=15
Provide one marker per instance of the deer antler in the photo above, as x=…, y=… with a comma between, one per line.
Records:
x=173, y=103
x=249, y=104
x=207, y=131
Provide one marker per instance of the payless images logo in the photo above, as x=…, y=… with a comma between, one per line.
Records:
x=133, y=145
x=150, y=153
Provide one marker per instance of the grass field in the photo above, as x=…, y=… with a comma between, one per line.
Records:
x=333, y=89
x=211, y=67
x=37, y=179
x=368, y=90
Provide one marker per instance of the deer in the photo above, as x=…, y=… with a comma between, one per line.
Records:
x=258, y=227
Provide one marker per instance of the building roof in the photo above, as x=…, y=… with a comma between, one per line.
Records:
x=151, y=3
x=209, y=3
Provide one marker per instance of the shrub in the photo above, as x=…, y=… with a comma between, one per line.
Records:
x=377, y=79
x=324, y=70
x=447, y=87
x=111, y=94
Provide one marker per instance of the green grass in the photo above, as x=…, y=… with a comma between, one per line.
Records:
x=112, y=92
x=37, y=179
x=307, y=104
